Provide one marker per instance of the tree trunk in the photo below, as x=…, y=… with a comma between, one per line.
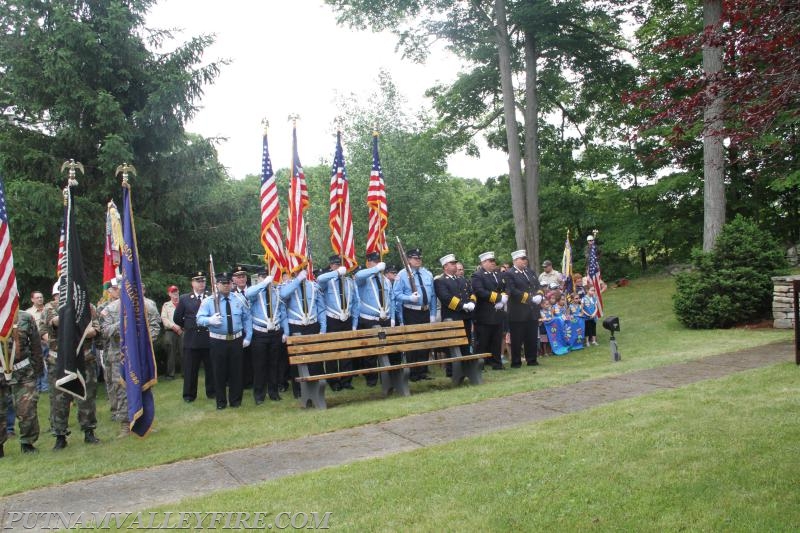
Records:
x=532, y=150
x=713, y=155
x=512, y=132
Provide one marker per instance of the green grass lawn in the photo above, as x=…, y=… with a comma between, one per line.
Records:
x=714, y=456
x=650, y=337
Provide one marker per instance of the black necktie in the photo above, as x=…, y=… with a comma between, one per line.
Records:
x=230, y=317
x=381, y=298
x=422, y=289
x=342, y=299
x=269, y=303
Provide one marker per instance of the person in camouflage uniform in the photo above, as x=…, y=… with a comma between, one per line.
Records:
x=59, y=400
x=110, y=324
x=28, y=366
x=100, y=348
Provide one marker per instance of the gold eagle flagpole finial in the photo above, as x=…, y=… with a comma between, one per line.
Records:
x=125, y=169
x=265, y=123
x=71, y=166
x=294, y=117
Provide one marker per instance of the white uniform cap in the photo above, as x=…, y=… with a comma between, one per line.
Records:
x=449, y=258
x=518, y=254
x=590, y=238
x=486, y=255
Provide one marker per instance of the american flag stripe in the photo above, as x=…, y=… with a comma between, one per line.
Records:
x=61, y=253
x=376, y=201
x=340, y=218
x=271, y=238
x=594, y=276
x=9, y=296
x=297, y=247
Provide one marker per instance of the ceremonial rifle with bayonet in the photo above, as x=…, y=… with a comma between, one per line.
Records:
x=214, y=291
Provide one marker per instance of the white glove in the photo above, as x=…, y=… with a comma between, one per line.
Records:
x=537, y=299
x=381, y=266
x=266, y=281
x=283, y=339
x=392, y=322
x=342, y=271
x=503, y=298
x=215, y=319
x=245, y=343
x=414, y=297
x=498, y=306
x=302, y=275
x=469, y=306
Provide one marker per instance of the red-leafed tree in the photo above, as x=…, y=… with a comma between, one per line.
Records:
x=757, y=90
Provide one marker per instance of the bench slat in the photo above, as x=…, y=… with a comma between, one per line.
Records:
x=393, y=367
x=330, y=345
x=378, y=350
x=295, y=340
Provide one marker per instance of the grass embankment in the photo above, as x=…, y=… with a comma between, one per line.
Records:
x=650, y=337
x=719, y=455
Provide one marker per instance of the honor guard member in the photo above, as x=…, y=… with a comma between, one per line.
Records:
x=27, y=365
x=87, y=409
x=341, y=305
x=239, y=273
x=195, y=339
x=524, y=297
x=230, y=329
x=376, y=306
x=456, y=298
x=305, y=309
x=418, y=307
x=270, y=329
x=487, y=285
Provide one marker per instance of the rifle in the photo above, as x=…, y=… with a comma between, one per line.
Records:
x=406, y=264
x=214, y=291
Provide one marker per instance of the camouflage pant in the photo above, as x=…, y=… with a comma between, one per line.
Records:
x=26, y=400
x=115, y=384
x=60, y=401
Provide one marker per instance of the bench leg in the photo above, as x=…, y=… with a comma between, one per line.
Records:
x=312, y=393
x=393, y=380
x=470, y=369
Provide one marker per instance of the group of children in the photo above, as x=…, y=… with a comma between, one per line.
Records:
x=569, y=321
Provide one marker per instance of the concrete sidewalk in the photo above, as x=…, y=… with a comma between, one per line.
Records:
x=138, y=489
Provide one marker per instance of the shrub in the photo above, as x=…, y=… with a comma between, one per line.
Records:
x=731, y=284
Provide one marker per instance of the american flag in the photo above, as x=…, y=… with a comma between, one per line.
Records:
x=61, y=253
x=376, y=201
x=271, y=236
x=594, y=275
x=340, y=217
x=9, y=297
x=297, y=243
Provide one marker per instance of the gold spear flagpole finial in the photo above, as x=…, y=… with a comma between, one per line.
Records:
x=125, y=169
x=375, y=129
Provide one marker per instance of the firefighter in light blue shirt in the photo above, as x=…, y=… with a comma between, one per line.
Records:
x=270, y=329
x=230, y=330
x=376, y=308
x=341, y=308
x=305, y=308
x=418, y=307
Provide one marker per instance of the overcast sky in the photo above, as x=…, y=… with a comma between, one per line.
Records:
x=291, y=57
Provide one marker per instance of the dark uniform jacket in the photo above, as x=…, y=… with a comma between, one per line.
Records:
x=488, y=289
x=521, y=287
x=453, y=292
x=194, y=337
x=30, y=347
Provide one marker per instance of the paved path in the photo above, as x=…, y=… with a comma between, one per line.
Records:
x=139, y=489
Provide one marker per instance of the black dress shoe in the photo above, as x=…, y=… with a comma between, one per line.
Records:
x=414, y=378
x=283, y=387
x=519, y=365
x=348, y=386
x=188, y=400
x=336, y=387
x=169, y=378
x=2, y=452
x=533, y=363
x=221, y=407
x=235, y=405
x=501, y=367
x=259, y=402
x=275, y=397
x=28, y=448
x=426, y=378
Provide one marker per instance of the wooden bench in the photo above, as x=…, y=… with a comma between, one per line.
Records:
x=381, y=342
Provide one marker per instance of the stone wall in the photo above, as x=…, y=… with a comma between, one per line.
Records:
x=783, y=302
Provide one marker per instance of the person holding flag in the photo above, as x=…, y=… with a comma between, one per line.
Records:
x=566, y=266
x=341, y=306
x=21, y=348
x=270, y=329
x=593, y=272
x=376, y=305
x=376, y=201
x=271, y=235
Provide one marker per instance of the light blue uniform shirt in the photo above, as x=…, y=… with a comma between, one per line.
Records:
x=402, y=291
x=239, y=313
x=329, y=286
x=266, y=307
x=369, y=295
x=291, y=294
